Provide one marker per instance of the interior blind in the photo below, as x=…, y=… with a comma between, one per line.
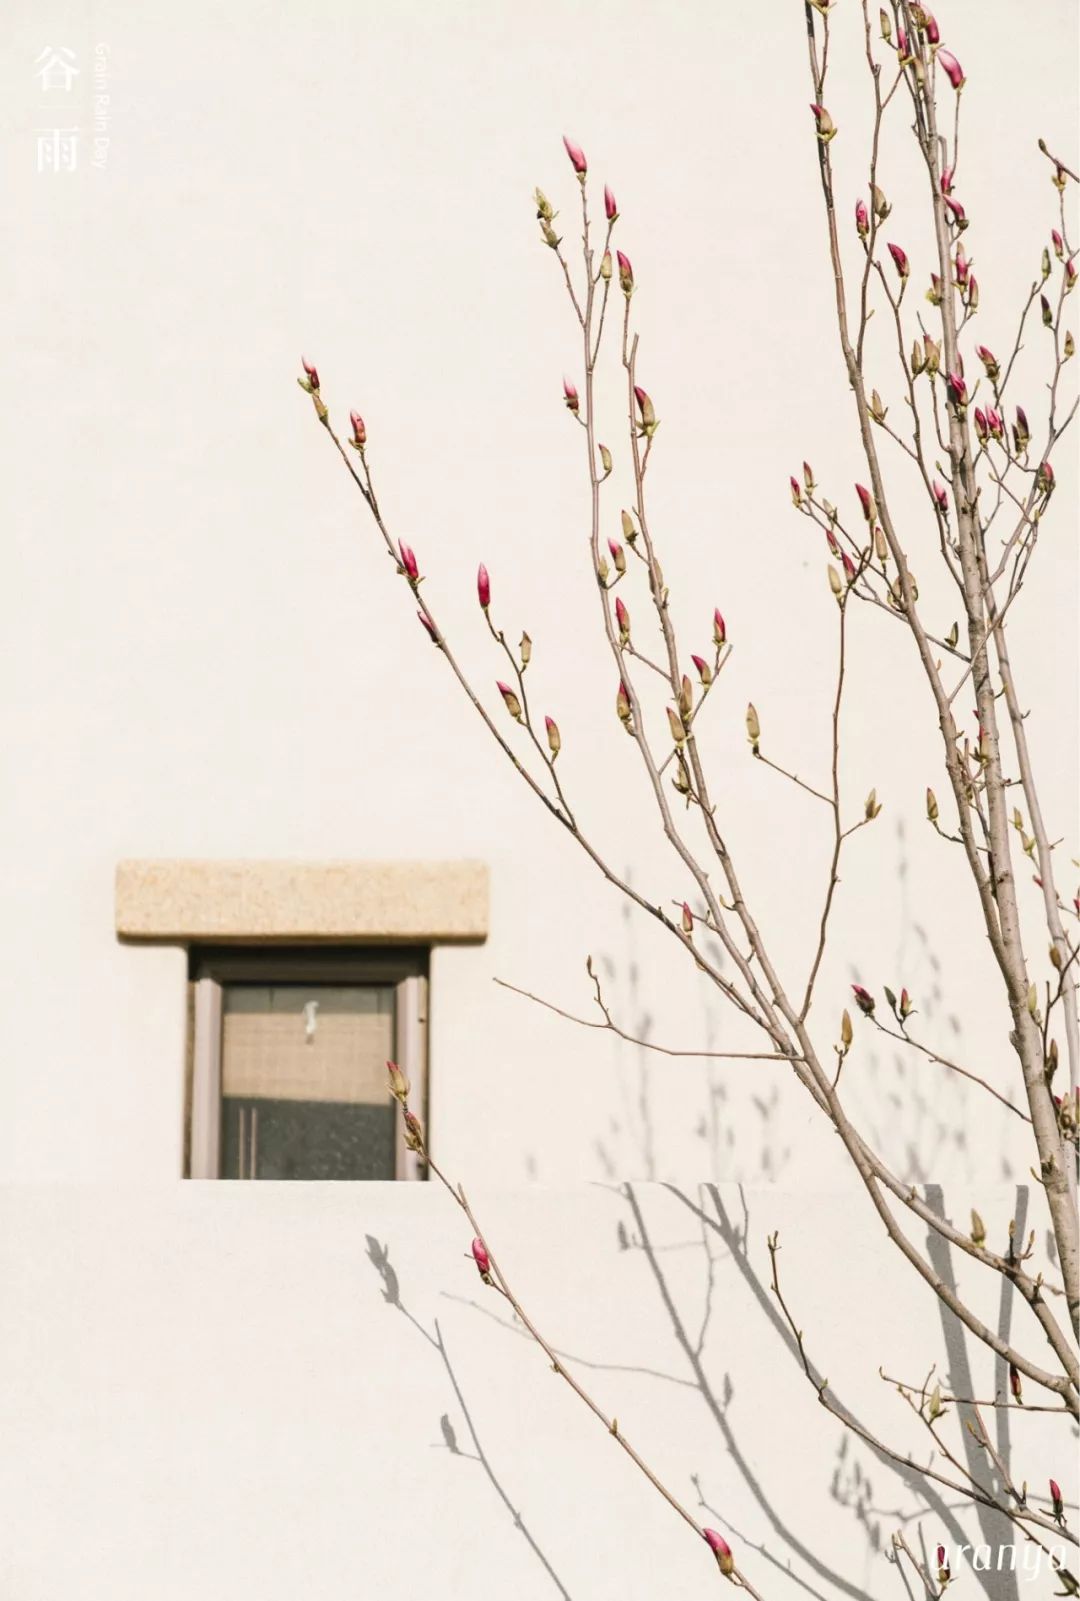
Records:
x=307, y=1042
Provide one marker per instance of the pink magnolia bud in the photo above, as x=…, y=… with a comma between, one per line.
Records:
x=808, y=477
x=941, y=497
x=866, y=499
x=408, y=561
x=1021, y=431
x=1058, y=243
x=626, y=272
x=944, y=1572
x=687, y=919
x=719, y=629
x=796, y=491
x=645, y=406
x=989, y=361
x=981, y=427
x=720, y=1550
x=864, y=1000
x=947, y=180
x=1044, y=478
x=704, y=670
x=862, y=219
x=995, y=422
x=622, y=617
x=900, y=259
x=399, y=1084
x=577, y=157
x=510, y=700
x=622, y=701
x=481, y=1257
x=611, y=210
x=933, y=32
x=1014, y=1382
x=483, y=586
x=933, y=294
x=957, y=388
x=951, y=68
x=957, y=210
x=570, y=395
x=618, y=556
x=849, y=567
x=1070, y=275
x=826, y=128
x=311, y=370
x=428, y=624
x=901, y=39
x=358, y=429
x=832, y=541
x=1056, y=1498
x=553, y=736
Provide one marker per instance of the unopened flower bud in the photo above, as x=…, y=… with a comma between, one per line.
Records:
x=618, y=556
x=605, y=459
x=553, y=737
x=847, y=1033
x=1021, y=431
x=626, y=273
x=1056, y=1501
x=944, y=1572
x=934, y=1406
x=1070, y=277
x=836, y=583
x=1069, y=346
x=886, y=25
x=686, y=697
x=978, y=1229
x=719, y=632
x=956, y=211
x=577, y=157
x=721, y=1551
x=881, y=548
x=871, y=809
x=312, y=372
x=687, y=919
x=543, y=206
x=675, y=723
x=941, y=497
x=849, y=567
x=429, y=625
x=796, y=491
x=866, y=501
x=510, y=700
x=1047, y=312
x=957, y=388
x=525, y=647
x=863, y=999
x=879, y=204
x=995, y=422
x=918, y=358
x=862, y=219
x=1014, y=1383
x=605, y=265
x=1045, y=263
x=570, y=395
x=961, y=266
x=1044, y=478
x=629, y=531
x=982, y=431
x=900, y=260
x=483, y=586
x=753, y=727
x=622, y=702
x=359, y=437
x=933, y=32
x=482, y=1259
x=705, y=672
x=408, y=561
x=951, y=68
x=645, y=407
x=902, y=44
x=1058, y=243
x=399, y=1084
x=905, y=1003
x=826, y=128
x=611, y=210
x=414, y=1133
x=622, y=617
x=877, y=407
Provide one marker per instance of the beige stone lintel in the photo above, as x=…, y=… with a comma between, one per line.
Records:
x=359, y=902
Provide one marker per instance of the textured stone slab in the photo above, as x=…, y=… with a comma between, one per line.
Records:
x=365, y=902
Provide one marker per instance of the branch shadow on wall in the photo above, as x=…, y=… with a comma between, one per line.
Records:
x=379, y=1257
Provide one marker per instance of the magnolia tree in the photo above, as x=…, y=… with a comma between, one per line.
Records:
x=984, y=467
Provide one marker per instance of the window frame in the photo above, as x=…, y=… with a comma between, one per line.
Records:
x=211, y=968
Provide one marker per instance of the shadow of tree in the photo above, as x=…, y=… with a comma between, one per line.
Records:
x=379, y=1257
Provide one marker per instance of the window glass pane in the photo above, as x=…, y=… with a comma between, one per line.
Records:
x=304, y=1090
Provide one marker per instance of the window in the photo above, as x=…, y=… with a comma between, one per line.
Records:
x=287, y=1062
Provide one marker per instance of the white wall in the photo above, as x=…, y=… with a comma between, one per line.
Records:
x=262, y=1421
x=207, y=656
